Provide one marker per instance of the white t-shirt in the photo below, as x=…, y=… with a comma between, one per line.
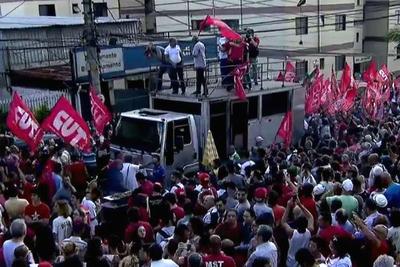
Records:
x=164, y=263
x=129, y=171
x=339, y=262
x=62, y=228
x=173, y=53
x=8, y=252
x=90, y=206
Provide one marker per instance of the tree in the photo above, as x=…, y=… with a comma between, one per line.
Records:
x=41, y=113
x=394, y=35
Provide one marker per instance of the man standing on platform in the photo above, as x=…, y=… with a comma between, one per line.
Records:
x=199, y=55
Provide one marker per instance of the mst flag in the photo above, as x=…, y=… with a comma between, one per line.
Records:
x=65, y=122
x=223, y=28
x=285, y=130
x=101, y=115
x=22, y=123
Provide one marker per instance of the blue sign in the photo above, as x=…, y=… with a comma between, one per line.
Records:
x=120, y=61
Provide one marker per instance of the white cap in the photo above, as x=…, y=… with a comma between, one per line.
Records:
x=380, y=200
x=377, y=170
x=347, y=185
x=319, y=189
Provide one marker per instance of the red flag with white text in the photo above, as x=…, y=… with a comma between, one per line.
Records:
x=23, y=124
x=285, y=130
x=290, y=72
x=383, y=75
x=101, y=115
x=66, y=123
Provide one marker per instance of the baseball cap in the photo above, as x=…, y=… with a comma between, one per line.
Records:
x=319, y=189
x=259, y=139
x=204, y=178
x=261, y=192
x=380, y=200
x=180, y=192
x=347, y=185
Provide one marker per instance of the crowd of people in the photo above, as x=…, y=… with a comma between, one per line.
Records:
x=332, y=199
x=231, y=54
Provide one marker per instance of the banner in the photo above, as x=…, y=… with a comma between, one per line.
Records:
x=223, y=28
x=23, y=124
x=101, y=115
x=285, y=130
x=65, y=122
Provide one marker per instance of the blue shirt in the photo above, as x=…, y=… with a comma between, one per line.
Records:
x=57, y=180
x=158, y=174
x=392, y=195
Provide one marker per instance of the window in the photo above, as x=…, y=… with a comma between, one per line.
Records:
x=100, y=10
x=339, y=62
x=196, y=25
x=47, y=10
x=301, y=25
x=275, y=103
x=322, y=20
x=322, y=63
x=340, y=22
x=75, y=9
x=301, y=69
x=398, y=16
x=182, y=129
x=233, y=23
x=358, y=2
x=253, y=107
x=357, y=37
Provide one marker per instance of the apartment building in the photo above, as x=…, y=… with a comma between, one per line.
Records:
x=59, y=8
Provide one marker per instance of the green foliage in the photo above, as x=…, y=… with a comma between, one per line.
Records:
x=394, y=35
x=41, y=113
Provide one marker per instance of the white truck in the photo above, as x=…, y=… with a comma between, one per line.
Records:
x=175, y=127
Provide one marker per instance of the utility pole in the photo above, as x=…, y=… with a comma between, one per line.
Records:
x=241, y=14
x=319, y=25
x=90, y=36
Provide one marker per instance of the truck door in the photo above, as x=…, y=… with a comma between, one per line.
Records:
x=182, y=153
x=239, y=124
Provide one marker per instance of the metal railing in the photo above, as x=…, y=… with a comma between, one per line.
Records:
x=266, y=71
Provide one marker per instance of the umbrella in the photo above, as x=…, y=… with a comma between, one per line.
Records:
x=210, y=151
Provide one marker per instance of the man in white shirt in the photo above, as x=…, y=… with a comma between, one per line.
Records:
x=129, y=171
x=174, y=56
x=223, y=59
x=156, y=254
x=265, y=248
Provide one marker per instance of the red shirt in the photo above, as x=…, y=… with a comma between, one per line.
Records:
x=42, y=211
x=77, y=170
x=218, y=260
x=235, y=53
x=28, y=189
x=147, y=187
x=131, y=229
x=227, y=232
x=278, y=213
x=311, y=206
x=328, y=233
x=381, y=250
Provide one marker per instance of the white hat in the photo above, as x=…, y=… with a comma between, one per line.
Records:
x=380, y=200
x=347, y=185
x=377, y=170
x=319, y=189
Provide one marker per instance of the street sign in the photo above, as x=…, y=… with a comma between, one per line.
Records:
x=120, y=61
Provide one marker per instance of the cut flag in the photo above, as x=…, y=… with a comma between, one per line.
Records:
x=65, y=122
x=100, y=114
x=285, y=130
x=23, y=124
x=223, y=28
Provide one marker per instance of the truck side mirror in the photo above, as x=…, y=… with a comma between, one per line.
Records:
x=178, y=143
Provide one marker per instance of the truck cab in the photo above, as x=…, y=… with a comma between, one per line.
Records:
x=170, y=135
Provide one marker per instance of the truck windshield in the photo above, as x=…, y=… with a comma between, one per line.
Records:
x=144, y=135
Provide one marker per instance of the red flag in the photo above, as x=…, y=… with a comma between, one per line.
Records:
x=290, y=72
x=223, y=28
x=314, y=95
x=349, y=98
x=22, y=123
x=383, y=76
x=285, y=130
x=345, y=81
x=370, y=100
x=326, y=93
x=238, y=74
x=280, y=77
x=65, y=122
x=101, y=115
x=369, y=75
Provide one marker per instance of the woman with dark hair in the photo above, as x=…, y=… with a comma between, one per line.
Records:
x=304, y=258
x=230, y=228
x=94, y=254
x=394, y=231
x=339, y=256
